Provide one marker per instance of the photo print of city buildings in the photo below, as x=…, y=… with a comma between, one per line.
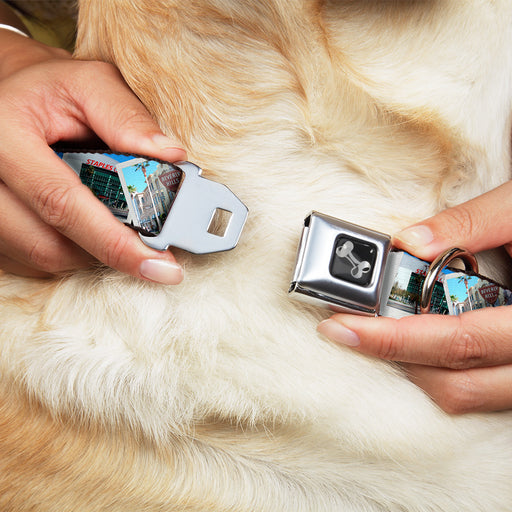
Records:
x=137, y=191
x=454, y=292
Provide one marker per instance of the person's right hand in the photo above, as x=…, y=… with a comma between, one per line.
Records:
x=51, y=222
x=463, y=362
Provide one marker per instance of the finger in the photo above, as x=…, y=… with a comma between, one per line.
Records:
x=15, y=267
x=480, y=224
x=28, y=241
x=62, y=202
x=63, y=100
x=473, y=339
x=54, y=192
x=463, y=391
x=116, y=115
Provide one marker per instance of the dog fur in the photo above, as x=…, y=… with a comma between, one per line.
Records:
x=217, y=394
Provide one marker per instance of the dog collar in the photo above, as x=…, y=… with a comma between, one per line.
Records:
x=169, y=204
x=351, y=269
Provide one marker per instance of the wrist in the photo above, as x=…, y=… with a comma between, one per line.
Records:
x=18, y=52
x=10, y=20
x=11, y=28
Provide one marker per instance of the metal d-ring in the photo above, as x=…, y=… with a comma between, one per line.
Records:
x=443, y=260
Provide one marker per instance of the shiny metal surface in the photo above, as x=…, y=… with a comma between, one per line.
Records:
x=188, y=221
x=442, y=261
x=313, y=280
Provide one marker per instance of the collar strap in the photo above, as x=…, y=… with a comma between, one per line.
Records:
x=169, y=204
x=351, y=269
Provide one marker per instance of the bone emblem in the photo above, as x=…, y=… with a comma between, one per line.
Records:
x=358, y=267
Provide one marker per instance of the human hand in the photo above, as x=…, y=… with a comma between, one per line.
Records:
x=463, y=362
x=51, y=222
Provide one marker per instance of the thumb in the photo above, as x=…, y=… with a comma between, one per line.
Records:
x=479, y=224
x=119, y=118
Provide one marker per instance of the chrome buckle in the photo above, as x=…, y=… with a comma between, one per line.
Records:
x=340, y=265
x=175, y=205
x=194, y=207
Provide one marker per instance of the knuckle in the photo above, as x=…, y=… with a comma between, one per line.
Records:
x=389, y=346
x=134, y=116
x=386, y=349
x=115, y=251
x=460, y=220
x=42, y=257
x=460, y=394
x=465, y=348
x=54, y=202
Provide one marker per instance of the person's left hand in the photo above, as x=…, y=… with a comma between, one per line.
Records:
x=463, y=362
x=51, y=222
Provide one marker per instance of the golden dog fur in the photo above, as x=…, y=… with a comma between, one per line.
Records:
x=218, y=395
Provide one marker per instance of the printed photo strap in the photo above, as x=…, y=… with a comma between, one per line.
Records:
x=352, y=269
x=169, y=204
x=415, y=286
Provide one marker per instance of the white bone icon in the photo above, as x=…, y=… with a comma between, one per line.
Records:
x=358, y=267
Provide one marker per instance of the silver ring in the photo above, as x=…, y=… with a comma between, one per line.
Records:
x=443, y=260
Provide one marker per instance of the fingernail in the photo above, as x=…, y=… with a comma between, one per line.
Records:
x=161, y=271
x=416, y=236
x=338, y=333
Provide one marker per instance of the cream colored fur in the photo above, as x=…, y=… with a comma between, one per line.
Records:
x=217, y=394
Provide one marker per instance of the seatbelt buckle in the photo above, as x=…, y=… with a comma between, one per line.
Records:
x=169, y=204
x=340, y=265
x=351, y=269
x=200, y=203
